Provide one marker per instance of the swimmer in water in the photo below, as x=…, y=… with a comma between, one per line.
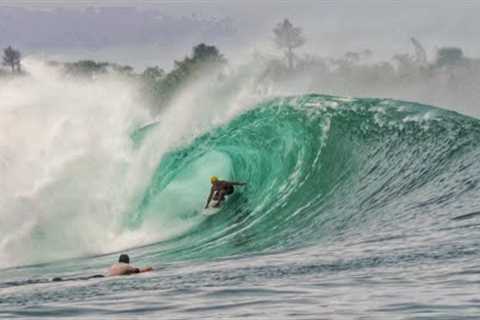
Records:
x=123, y=267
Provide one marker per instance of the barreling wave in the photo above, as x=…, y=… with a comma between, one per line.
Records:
x=319, y=169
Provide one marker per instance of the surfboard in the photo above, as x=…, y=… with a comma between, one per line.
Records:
x=210, y=211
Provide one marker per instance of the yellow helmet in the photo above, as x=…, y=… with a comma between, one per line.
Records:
x=213, y=179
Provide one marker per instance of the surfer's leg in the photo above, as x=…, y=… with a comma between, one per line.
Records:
x=220, y=198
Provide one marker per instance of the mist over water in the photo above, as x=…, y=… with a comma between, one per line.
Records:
x=71, y=172
x=66, y=164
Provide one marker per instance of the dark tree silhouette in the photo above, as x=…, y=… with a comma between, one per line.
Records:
x=153, y=74
x=87, y=68
x=288, y=37
x=11, y=58
x=122, y=69
x=206, y=53
x=203, y=56
x=449, y=56
x=203, y=60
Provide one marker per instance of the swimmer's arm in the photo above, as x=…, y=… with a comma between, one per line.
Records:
x=132, y=270
x=209, y=198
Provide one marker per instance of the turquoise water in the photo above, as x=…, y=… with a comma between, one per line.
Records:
x=349, y=213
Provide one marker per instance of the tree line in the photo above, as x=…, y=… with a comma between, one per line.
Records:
x=350, y=74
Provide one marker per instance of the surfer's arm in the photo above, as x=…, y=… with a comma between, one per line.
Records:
x=209, y=198
x=237, y=183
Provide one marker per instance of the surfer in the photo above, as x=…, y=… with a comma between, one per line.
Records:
x=123, y=267
x=220, y=189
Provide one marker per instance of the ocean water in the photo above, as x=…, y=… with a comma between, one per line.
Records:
x=354, y=209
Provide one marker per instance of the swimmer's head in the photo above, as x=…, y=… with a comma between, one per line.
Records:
x=213, y=179
x=124, y=258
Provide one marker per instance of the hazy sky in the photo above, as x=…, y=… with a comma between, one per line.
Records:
x=236, y=27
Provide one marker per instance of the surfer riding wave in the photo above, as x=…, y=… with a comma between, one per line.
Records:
x=220, y=189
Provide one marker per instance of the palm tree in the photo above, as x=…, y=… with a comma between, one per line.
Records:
x=288, y=37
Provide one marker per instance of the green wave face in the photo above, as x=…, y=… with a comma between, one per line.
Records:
x=318, y=168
